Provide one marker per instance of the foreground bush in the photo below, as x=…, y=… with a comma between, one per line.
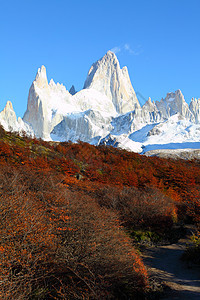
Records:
x=58, y=244
x=139, y=208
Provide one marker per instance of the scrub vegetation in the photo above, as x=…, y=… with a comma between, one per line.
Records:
x=73, y=216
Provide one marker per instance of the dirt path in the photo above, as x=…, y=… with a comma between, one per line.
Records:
x=165, y=265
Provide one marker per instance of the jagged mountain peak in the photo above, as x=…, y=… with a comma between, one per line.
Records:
x=109, y=57
x=108, y=78
x=177, y=96
x=41, y=72
x=72, y=90
x=195, y=100
x=8, y=106
x=110, y=54
x=149, y=105
x=149, y=100
x=172, y=96
x=174, y=103
x=109, y=60
x=41, y=77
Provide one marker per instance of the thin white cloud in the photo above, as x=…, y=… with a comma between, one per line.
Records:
x=126, y=47
x=131, y=51
x=116, y=49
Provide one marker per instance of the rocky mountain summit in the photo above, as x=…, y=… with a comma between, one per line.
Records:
x=108, y=78
x=106, y=111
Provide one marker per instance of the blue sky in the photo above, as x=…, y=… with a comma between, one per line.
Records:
x=158, y=41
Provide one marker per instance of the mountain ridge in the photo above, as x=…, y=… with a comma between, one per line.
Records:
x=105, y=111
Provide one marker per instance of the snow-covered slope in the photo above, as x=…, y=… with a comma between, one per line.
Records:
x=174, y=133
x=93, y=99
x=88, y=126
x=175, y=129
x=107, y=112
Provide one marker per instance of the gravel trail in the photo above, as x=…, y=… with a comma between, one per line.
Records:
x=182, y=279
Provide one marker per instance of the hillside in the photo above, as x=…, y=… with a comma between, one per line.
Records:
x=71, y=214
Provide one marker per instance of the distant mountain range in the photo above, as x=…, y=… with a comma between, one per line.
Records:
x=106, y=111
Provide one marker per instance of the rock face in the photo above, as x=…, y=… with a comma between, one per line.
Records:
x=46, y=105
x=195, y=109
x=72, y=90
x=108, y=78
x=36, y=112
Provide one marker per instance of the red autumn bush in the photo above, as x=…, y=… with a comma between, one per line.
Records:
x=58, y=243
x=146, y=208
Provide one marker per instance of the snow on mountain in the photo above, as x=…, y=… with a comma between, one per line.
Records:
x=93, y=99
x=49, y=103
x=106, y=112
x=89, y=126
x=122, y=141
x=176, y=132
x=176, y=128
